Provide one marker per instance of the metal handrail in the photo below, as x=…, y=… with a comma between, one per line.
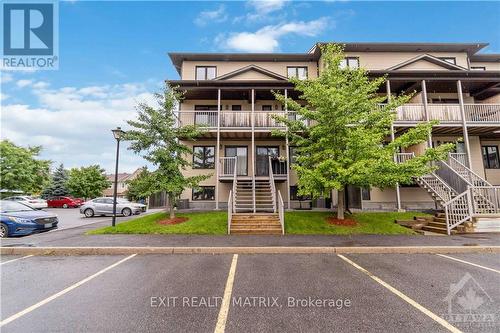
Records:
x=229, y=212
x=281, y=212
x=458, y=210
x=403, y=157
x=235, y=174
x=474, y=178
x=273, y=186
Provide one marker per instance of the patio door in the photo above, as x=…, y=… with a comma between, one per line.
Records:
x=241, y=154
x=262, y=160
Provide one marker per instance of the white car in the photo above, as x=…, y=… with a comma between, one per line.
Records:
x=33, y=202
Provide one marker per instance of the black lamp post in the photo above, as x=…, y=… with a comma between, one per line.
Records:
x=117, y=133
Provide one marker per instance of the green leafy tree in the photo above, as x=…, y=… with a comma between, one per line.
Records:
x=21, y=169
x=57, y=185
x=137, y=187
x=343, y=136
x=156, y=137
x=87, y=182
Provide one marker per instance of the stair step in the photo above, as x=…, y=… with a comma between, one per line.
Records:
x=438, y=230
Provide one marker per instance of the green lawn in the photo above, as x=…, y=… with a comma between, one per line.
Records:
x=300, y=223
x=310, y=222
x=206, y=223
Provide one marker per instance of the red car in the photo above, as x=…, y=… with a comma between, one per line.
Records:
x=64, y=202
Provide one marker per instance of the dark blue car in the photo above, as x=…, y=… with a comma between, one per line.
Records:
x=17, y=219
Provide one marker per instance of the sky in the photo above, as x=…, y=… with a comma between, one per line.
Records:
x=113, y=54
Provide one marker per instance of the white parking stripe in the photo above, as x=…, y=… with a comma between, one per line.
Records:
x=62, y=292
x=427, y=312
x=469, y=263
x=6, y=262
x=226, y=301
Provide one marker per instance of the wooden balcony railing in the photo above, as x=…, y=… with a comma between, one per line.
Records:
x=474, y=113
x=411, y=113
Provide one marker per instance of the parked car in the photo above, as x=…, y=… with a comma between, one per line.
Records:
x=138, y=204
x=33, y=202
x=104, y=206
x=64, y=202
x=18, y=219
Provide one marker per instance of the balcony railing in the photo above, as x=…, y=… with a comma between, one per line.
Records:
x=446, y=113
x=474, y=113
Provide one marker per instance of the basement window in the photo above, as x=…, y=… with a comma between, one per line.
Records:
x=204, y=193
x=491, y=159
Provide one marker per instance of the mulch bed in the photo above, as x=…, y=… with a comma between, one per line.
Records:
x=175, y=220
x=345, y=223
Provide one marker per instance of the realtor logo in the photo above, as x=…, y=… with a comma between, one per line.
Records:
x=469, y=304
x=30, y=32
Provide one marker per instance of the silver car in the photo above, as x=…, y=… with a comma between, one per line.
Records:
x=104, y=206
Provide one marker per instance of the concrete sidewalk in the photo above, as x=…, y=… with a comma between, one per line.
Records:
x=76, y=237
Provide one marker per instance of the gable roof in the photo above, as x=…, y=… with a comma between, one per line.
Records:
x=429, y=58
x=249, y=68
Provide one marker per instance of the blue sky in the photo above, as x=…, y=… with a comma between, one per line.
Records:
x=114, y=53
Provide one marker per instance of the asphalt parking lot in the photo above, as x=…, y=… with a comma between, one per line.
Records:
x=258, y=293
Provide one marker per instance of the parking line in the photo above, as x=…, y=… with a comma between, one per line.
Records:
x=422, y=309
x=6, y=262
x=469, y=263
x=226, y=301
x=62, y=292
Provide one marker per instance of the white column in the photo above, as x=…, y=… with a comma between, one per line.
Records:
x=426, y=110
x=288, y=162
x=253, y=150
x=464, y=122
x=398, y=194
x=217, y=160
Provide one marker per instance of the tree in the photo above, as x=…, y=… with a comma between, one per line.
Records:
x=343, y=136
x=57, y=185
x=156, y=136
x=87, y=182
x=21, y=169
x=137, y=187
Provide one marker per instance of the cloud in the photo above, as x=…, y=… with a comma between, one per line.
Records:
x=74, y=124
x=266, y=6
x=24, y=83
x=210, y=16
x=267, y=38
x=6, y=77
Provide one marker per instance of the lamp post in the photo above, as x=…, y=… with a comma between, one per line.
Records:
x=117, y=133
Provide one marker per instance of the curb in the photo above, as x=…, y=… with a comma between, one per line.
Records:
x=74, y=251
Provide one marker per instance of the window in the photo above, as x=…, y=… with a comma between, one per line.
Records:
x=451, y=60
x=294, y=194
x=235, y=107
x=203, y=157
x=298, y=72
x=206, y=72
x=204, y=193
x=478, y=68
x=365, y=193
x=267, y=108
x=349, y=62
x=490, y=157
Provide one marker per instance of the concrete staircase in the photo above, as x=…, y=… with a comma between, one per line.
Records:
x=256, y=224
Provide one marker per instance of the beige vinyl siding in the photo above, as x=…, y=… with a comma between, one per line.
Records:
x=225, y=67
x=490, y=66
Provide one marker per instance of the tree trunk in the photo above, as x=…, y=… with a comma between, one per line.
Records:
x=340, y=204
x=171, y=204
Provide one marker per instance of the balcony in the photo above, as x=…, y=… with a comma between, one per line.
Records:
x=231, y=120
x=479, y=114
x=475, y=114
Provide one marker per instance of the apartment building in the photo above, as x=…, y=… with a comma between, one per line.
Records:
x=230, y=95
